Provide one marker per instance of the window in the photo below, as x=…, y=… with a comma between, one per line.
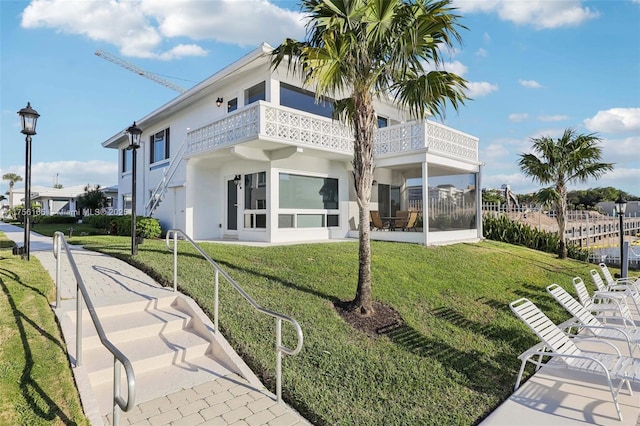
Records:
x=312, y=196
x=255, y=191
x=382, y=122
x=308, y=192
x=127, y=160
x=159, y=144
x=255, y=93
x=126, y=203
x=388, y=199
x=255, y=199
x=304, y=100
x=452, y=202
x=232, y=105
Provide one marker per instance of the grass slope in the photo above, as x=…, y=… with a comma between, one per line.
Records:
x=452, y=361
x=36, y=384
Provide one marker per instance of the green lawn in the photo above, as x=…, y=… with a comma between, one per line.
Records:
x=36, y=383
x=453, y=360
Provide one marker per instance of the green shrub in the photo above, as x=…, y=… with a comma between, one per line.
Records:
x=147, y=227
x=501, y=228
x=100, y=221
x=54, y=219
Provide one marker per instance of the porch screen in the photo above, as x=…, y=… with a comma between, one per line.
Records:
x=308, y=192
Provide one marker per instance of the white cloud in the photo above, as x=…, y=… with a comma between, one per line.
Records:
x=553, y=117
x=615, y=120
x=519, y=117
x=144, y=28
x=455, y=67
x=540, y=14
x=530, y=84
x=478, y=89
x=620, y=151
x=487, y=37
x=482, y=53
x=69, y=173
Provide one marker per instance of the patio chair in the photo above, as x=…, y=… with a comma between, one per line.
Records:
x=602, y=302
x=402, y=216
x=627, y=291
x=564, y=353
x=376, y=221
x=584, y=320
x=612, y=282
x=411, y=222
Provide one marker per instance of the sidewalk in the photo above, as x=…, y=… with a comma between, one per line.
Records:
x=211, y=399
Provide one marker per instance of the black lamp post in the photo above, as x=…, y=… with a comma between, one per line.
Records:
x=134, y=133
x=621, y=207
x=29, y=119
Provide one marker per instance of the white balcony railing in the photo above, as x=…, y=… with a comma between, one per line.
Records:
x=414, y=136
x=287, y=125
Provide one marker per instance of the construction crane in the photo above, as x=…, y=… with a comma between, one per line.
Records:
x=136, y=69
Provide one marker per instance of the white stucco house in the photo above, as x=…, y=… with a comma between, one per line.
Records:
x=62, y=201
x=249, y=155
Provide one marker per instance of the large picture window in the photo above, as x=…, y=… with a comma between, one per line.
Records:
x=308, y=192
x=309, y=200
x=159, y=144
x=304, y=100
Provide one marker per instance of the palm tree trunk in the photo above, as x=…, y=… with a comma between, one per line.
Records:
x=561, y=213
x=10, y=194
x=364, y=123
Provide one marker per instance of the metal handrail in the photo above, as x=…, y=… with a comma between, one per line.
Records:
x=218, y=270
x=119, y=358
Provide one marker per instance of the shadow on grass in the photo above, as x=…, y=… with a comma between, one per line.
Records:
x=480, y=373
x=32, y=392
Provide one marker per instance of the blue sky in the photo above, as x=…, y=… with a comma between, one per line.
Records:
x=534, y=67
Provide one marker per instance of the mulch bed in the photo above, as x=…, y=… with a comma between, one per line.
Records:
x=383, y=319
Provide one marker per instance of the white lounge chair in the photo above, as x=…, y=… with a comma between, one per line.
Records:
x=602, y=302
x=584, y=320
x=629, y=291
x=564, y=353
x=613, y=282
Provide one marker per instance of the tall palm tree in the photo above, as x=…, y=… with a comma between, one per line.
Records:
x=368, y=49
x=12, y=178
x=572, y=158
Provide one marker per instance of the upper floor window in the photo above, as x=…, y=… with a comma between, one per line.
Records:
x=232, y=105
x=382, y=122
x=304, y=100
x=159, y=144
x=255, y=93
x=127, y=160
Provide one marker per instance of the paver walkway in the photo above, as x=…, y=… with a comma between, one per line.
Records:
x=230, y=400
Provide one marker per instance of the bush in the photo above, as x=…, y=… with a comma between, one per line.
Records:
x=56, y=219
x=501, y=228
x=147, y=227
x=100, y=221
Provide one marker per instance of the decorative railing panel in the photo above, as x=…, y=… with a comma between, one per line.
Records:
x=447, y=140
x=288, y=125
x=298, y=127
x=239, y=125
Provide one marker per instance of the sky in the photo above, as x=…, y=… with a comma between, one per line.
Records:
x=534, y=67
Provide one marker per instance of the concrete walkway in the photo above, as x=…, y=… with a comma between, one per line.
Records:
x=212, y=398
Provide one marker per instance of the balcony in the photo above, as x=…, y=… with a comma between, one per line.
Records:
x=287, y=126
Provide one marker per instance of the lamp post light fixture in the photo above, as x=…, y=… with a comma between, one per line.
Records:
x=621, y=207
x=134, y=133
x=29, y=119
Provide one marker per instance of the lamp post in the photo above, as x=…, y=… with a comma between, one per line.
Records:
x=621, y=207
x=134, y=133
x=29, y=119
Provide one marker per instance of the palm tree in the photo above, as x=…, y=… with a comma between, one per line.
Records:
x=12, y=178
x=572, y=158
x=365, y=50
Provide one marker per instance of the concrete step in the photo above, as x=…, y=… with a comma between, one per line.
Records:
x=146, y=353
x=146, y=323
x=165, y=380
